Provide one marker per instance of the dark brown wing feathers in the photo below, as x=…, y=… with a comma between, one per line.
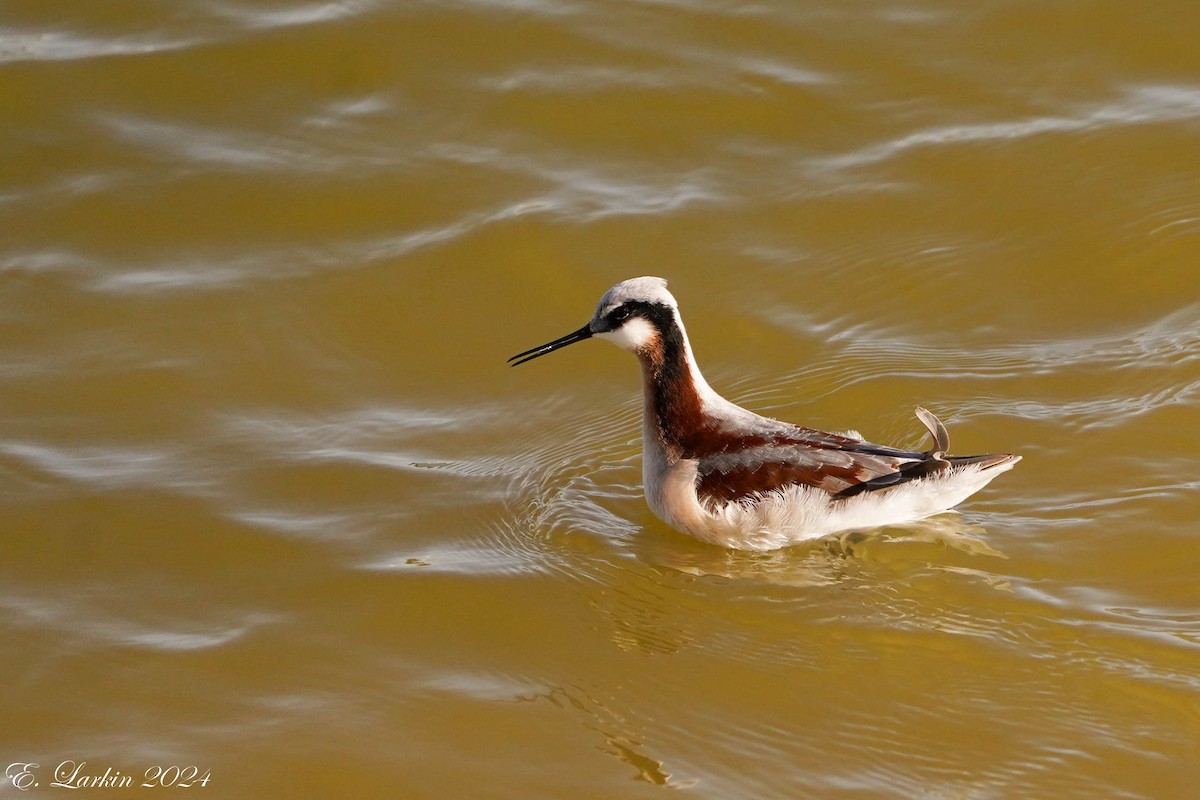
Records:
x=842, y=467
x=744, y=474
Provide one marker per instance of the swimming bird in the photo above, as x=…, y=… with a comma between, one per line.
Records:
x=736, y=479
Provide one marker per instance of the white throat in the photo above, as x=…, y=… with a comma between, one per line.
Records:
x=632, y=336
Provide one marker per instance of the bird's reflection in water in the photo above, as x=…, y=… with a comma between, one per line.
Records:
x=946, y=539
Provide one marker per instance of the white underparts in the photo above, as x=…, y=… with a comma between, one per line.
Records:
x=799, y=513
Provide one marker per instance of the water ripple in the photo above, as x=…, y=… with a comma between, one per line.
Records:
x=243, y=150
x=88, y=621
x=524, y=505
x=590, y=193
x=251, y=17
x=582, y=78
x=600, y=77
x=861, y=352
x=1139, y=105
x=58, y=45
x=112, y=467
x=374, y=437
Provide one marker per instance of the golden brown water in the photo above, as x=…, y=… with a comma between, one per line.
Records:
x=273, y=506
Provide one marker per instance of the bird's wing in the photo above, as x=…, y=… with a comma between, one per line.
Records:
x=843, y=466
x=833, y=468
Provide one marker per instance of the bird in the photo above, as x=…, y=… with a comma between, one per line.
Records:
x=743, y=481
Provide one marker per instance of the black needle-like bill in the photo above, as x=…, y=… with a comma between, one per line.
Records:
x=549, y=347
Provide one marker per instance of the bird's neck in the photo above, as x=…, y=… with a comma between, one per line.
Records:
x=678, y=401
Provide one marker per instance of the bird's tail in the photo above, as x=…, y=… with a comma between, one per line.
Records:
x=941, y=445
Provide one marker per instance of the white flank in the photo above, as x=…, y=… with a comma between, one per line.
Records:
x=801, y=513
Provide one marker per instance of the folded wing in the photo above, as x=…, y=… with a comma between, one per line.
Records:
x=838, y=465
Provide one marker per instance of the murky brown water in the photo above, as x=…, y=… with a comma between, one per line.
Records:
x=273, y=506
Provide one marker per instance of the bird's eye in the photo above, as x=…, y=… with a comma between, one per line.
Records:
x=621, y=314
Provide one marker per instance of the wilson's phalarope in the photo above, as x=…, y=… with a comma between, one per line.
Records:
x=728, y=476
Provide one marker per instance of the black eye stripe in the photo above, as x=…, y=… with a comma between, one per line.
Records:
x=657, y=314
x=632, y=308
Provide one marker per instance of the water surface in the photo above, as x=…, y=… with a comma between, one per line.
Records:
x=273, y=506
